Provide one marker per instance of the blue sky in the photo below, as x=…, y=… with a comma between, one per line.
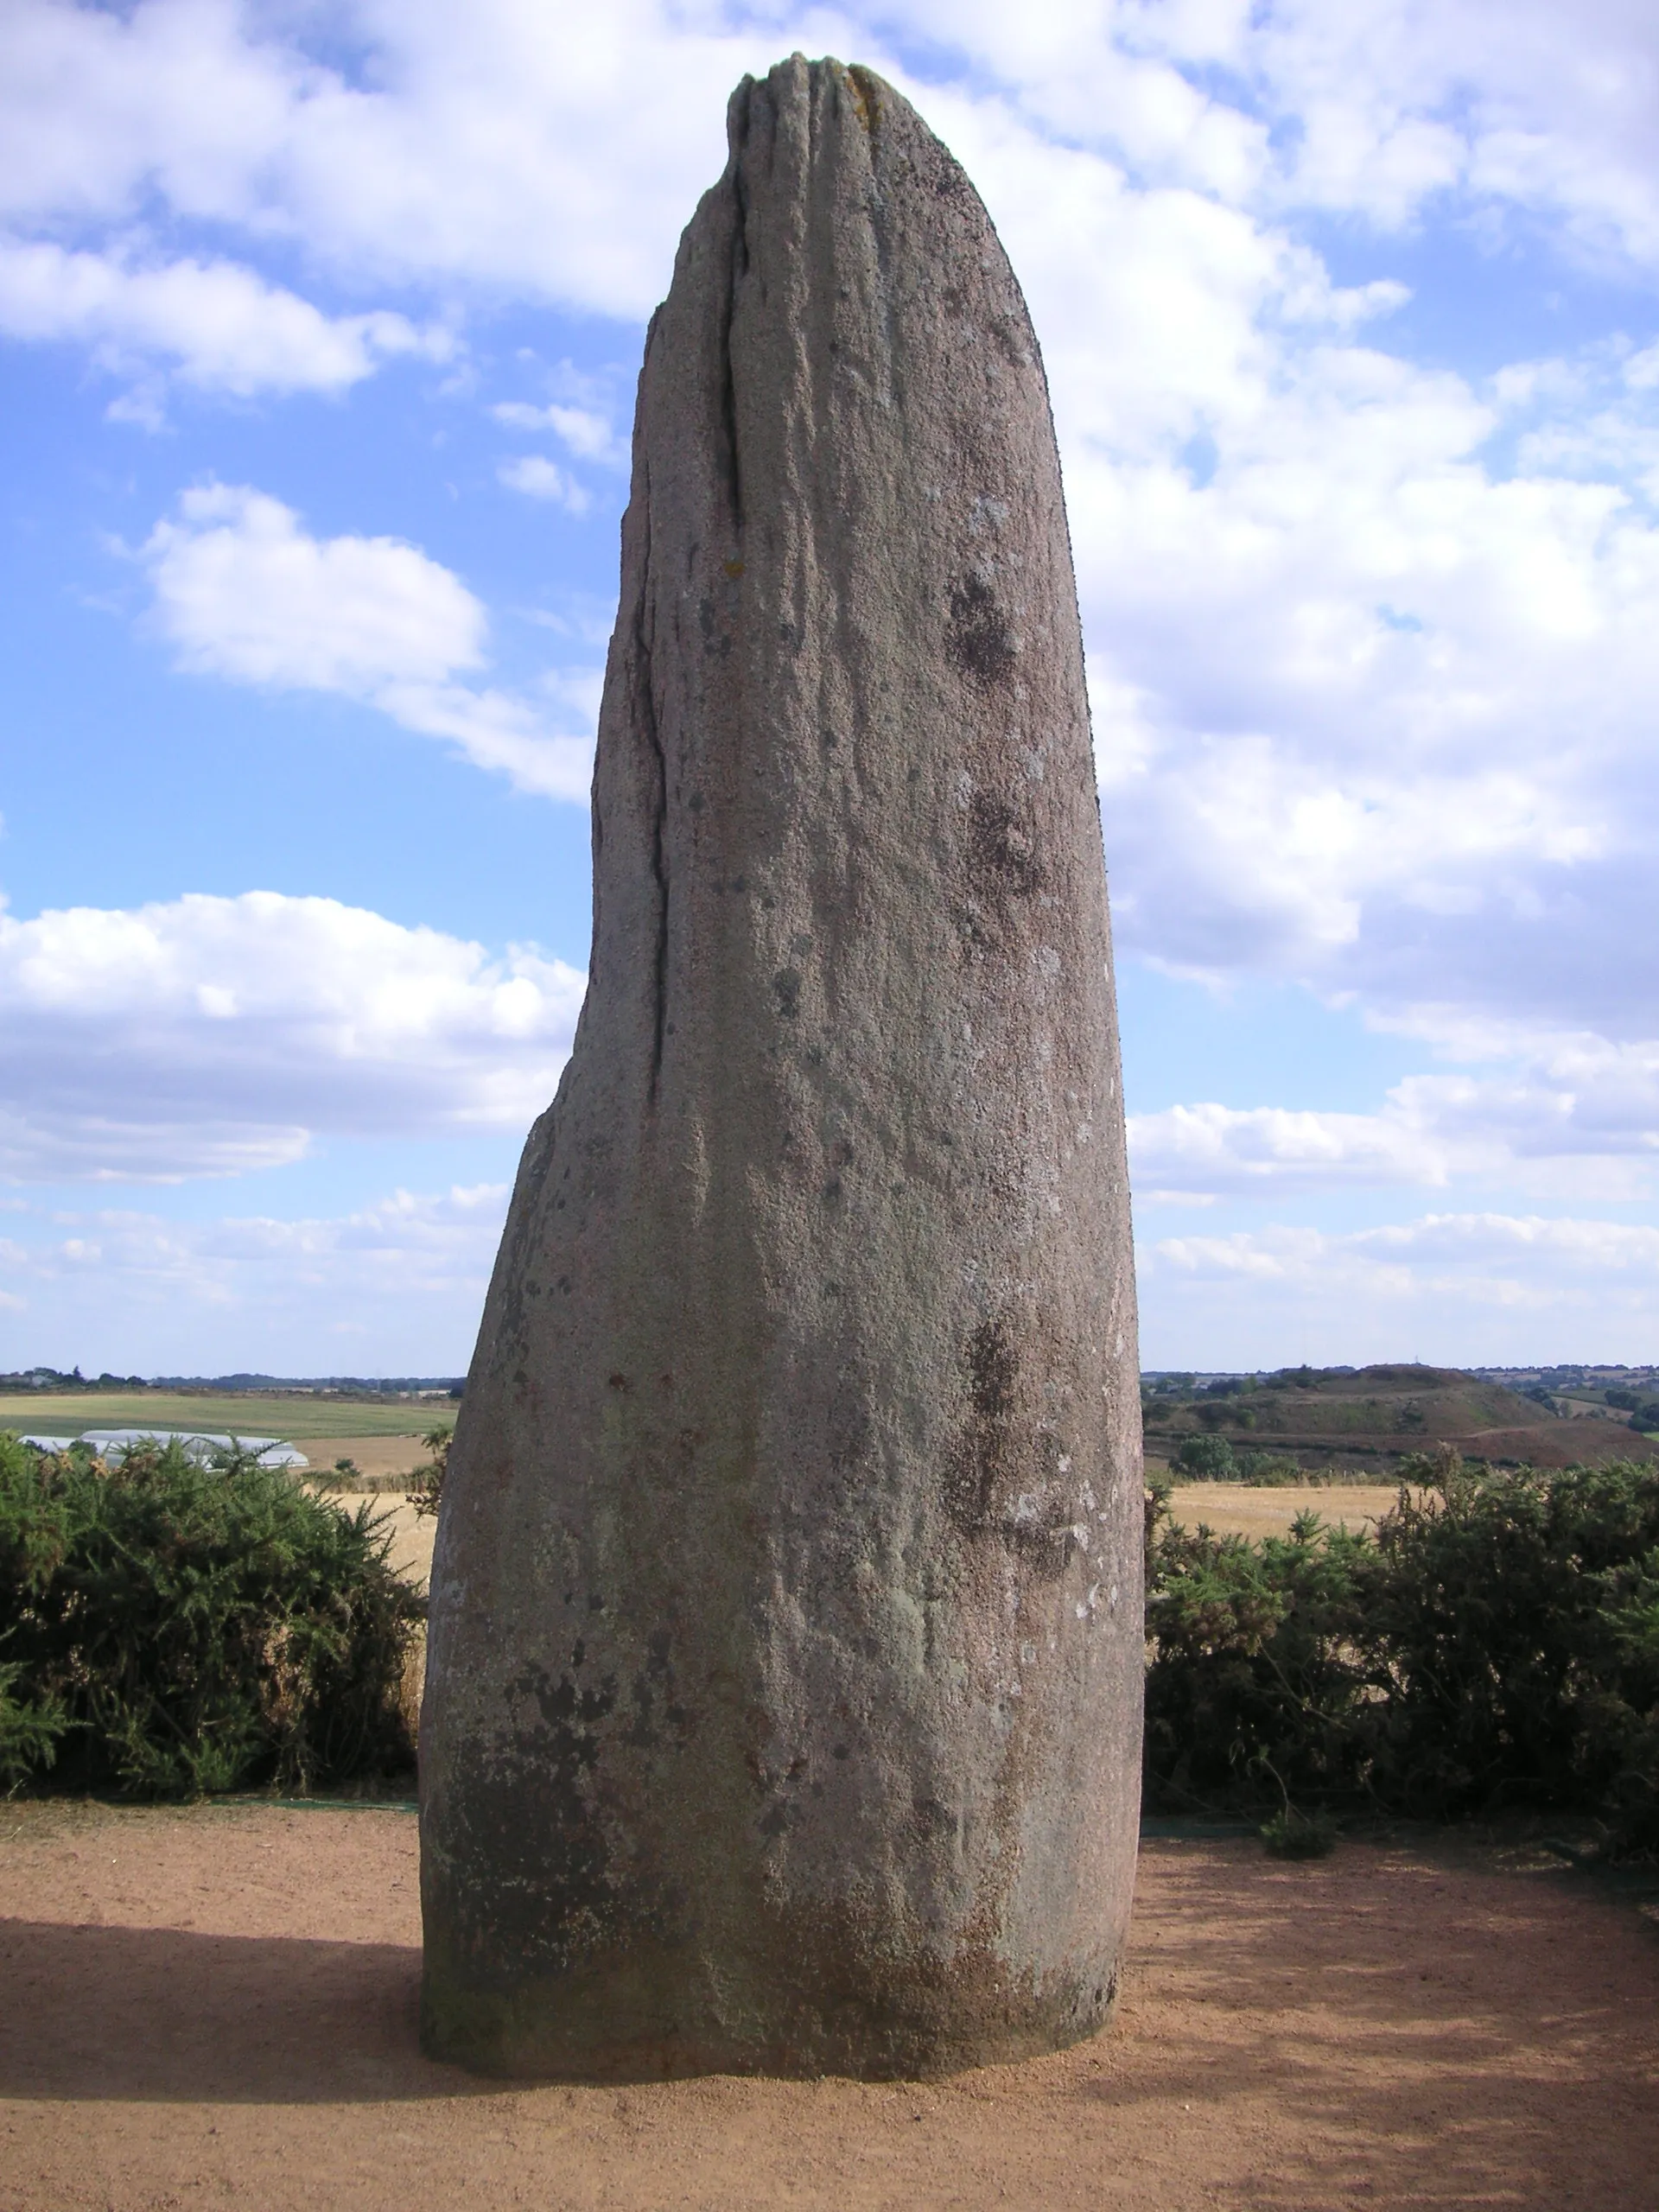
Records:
x=318, y=329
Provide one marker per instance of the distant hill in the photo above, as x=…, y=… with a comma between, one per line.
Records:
x=1369, y=1417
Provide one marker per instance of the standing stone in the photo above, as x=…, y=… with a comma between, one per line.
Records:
x=783, y=1702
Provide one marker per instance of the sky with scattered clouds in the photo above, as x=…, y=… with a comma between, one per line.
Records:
x=318, y=326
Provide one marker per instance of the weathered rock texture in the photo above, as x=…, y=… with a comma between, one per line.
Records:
x=783, y=1691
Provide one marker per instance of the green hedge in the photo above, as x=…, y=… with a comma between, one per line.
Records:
x=1496, y=1646
x=168, y=1629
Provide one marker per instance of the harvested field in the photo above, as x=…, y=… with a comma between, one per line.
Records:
x=1236, y=1509
x=217, y=2004
x=412, y=1535
x=377, y=1457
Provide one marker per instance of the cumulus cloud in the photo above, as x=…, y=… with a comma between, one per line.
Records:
x=1370, y=640
x=1340, y=608
x=538, y=478
x=1466, y=1288
x=1567, y=1116
x=559, y=154
x=511, y=147
x=218, y=324
x=207, y=1036
x=585, y=431
x=395, y=1285
x=243, y=591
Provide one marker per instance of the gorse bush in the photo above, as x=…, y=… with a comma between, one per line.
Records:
x=1253, y=1688
x=1518, y=1618
x=425, y=1489
x=1495, y=1646
x=168, y=1629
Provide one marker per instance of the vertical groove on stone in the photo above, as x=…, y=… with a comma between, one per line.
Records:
x=784, y=1653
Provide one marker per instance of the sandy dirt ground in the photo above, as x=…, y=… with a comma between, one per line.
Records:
x=1234, y=1509
x=217, y=2006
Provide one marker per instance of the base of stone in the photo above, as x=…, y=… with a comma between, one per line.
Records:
x=580, y=2027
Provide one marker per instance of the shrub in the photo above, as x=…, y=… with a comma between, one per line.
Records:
x=1518, y=1616
x=172, y=1629
x=1269, y=1470
x=425, y=1491
x=1252, y=1690
x=1497, y=1646
x=1291, y=1834
x=1207, y=1458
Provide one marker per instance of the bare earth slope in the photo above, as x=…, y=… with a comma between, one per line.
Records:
x=217, y=2006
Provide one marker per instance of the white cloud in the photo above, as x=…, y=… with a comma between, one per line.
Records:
x=1568, y=1116
x=585, y=431
x=541, y=479
x=1346, y=605
x=1371, y=641
x=208, y=1035
x=222, y=326
x=559, y=154
x=1203, y=1151
x=555, y=153
x=1466, y=1288
x=394, y=1287
x=243, y=591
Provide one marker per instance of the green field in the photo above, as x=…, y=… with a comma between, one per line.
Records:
x=51, y=1412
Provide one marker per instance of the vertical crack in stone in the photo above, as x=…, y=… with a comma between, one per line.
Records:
x=737, y=268
x=647, y=718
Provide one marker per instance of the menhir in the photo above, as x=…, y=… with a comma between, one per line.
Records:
x=782, y=1701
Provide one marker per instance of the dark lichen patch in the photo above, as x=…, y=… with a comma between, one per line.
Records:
x=992, y=1369
x=658, y=1713
x=978, y=635
x=714, y=639
x=995, y=1461
x=1046, y=1548
x=983, y=1458
x=1001, y=848
x=786, y=989
x=532, y=1863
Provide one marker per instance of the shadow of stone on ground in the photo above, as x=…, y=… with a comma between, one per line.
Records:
x=159, y=2013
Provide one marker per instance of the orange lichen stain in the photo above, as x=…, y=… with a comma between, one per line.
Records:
x=853, y=81
x=734, y=568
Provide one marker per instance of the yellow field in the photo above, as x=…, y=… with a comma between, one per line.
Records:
x=1236, y=1510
